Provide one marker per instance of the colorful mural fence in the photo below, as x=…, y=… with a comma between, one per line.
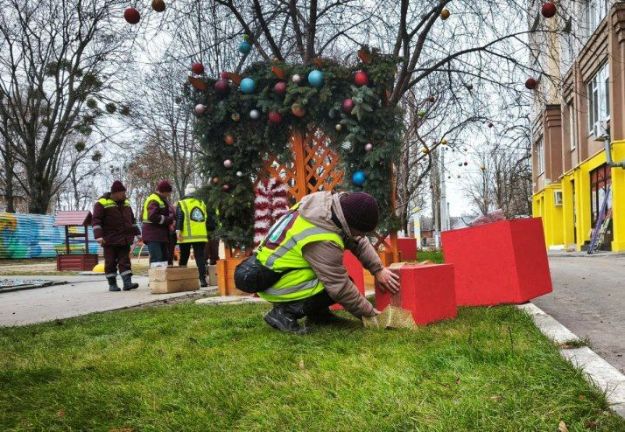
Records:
x=35, y=236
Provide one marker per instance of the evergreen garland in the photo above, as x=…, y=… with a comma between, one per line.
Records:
x=370, y=121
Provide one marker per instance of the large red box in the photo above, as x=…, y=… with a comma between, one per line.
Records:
x=355, y=271
x=426, y=290
x=498, y=263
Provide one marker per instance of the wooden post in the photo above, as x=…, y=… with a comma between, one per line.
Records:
x=86, y=239
x=300, y=165
x=394, y=247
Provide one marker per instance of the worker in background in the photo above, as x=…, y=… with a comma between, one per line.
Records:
x=115, y=228
x=304, y=250
x=157, y=218
x=192, y=230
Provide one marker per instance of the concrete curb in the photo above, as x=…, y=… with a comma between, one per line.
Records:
x=597, y=371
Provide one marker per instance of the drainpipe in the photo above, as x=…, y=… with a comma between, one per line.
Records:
x=608, y=155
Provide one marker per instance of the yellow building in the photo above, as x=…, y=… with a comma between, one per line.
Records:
x=579, y=131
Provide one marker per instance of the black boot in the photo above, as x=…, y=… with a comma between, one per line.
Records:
x=326, y=317
x=203, y=282
x=113, y=283
x=284, y=317
x=128, y=285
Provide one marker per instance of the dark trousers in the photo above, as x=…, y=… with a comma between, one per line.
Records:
x=313, y=305
x=159, y=251
x=212, y=251
x=198, y=252
x=116, y=257
x=171, y=248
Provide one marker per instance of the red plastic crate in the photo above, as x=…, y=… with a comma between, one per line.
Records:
x=499, y=263
x=356, y=273
x=426, y=290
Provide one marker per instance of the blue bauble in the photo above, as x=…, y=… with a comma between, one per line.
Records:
x=245, y=47
x=359, y=178
x=248, y=85
x=315, y=78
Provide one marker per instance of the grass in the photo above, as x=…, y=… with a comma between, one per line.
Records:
x=435, y=256
x=205, y=368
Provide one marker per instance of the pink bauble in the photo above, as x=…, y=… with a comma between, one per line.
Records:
x=347, y=105
x=361, y=78
x=227, y=163
x=274, y=117
x=226, y=188
x=280, y=88
x=222, y=87
x=200, y=109
x=197, y=68
x=368, y=147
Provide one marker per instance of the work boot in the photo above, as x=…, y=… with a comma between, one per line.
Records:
x=284, y=317
x=203, y=282
x=113, y=283
x=128, y=285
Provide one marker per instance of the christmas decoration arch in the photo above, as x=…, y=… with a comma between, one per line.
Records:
x=251, y=122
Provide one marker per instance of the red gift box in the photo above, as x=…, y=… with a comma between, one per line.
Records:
x=355, y=272
x=407, y=248
x=426, y=290
x=498, y=263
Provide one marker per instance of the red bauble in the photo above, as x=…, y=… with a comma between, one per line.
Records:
x=280, y=88
x=226, y=188
x=347, y=106
x=224, y=75
x=549, y=9
x=229, y=139
x=158, y=5
x=531, y=84
x=132, y=15
x=361, y=78
x=274, y=117
x=222, y=87
x=197, y=68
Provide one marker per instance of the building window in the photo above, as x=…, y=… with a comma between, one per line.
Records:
x=540, y=155
x=572, y=127
x=598, y=91
x=594, y=12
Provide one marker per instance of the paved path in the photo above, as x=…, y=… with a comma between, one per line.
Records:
x=589, y=298
x=82, y=295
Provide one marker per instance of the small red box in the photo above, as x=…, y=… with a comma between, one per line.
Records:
x=499, y=263
x=355, y=271
x=426, y=290
x=407, y=248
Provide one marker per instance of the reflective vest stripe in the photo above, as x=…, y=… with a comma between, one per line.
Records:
x=290, y=290
x=291, y=243
x=107, y=203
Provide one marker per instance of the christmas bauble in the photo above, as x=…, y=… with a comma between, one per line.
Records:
x=254, y=114
x=296, y=78
x=200, y=109
x=531, y=84
x=215, y=180
x=239, y=174
x=235, y=117
x=359, y=178
x=226, y=188
x=245, y=47
x=280, y=88
x=361, y=78
x=222, y=87
x=298, y=110
x=227, y=163
x=347, y=106
x=229, y=139
x=274, y=117
x=247, y=86
x=315, y=78
x=445, y=14
x=338, y=127
x=158, y=5
x=197, y=68
x=132, y=15
x=368, y=147
x=549, y=9
x=224, y=75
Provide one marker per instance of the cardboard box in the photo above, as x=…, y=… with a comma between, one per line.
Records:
x=498, y=263
x=427, y=291
x=165, y=280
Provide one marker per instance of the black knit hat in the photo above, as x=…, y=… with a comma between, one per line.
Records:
x=360, y=210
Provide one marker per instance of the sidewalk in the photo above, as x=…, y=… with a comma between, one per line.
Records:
x=80, y=296
x=589, y=298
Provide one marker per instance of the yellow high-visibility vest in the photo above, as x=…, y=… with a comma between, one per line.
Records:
x=153, y=197
x=194, y=224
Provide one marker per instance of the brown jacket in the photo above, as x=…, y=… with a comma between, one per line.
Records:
x=326, y=258
x=116, y=224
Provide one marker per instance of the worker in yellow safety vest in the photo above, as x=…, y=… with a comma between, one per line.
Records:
x=192, y=231
x=301, y=260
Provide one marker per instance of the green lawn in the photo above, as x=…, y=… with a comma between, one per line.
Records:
x=206, y=368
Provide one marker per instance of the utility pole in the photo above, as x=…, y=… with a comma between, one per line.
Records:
x=444, y=207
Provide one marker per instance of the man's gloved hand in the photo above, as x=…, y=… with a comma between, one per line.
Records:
x=388, y=280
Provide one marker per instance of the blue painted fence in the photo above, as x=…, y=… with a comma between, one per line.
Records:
x=35, y=236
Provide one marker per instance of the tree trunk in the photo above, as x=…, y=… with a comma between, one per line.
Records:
x=40, y=195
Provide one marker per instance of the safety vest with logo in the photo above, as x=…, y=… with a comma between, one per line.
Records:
x=107, y=203
x=194, y=224
x=153, y=197
x=282, y=251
